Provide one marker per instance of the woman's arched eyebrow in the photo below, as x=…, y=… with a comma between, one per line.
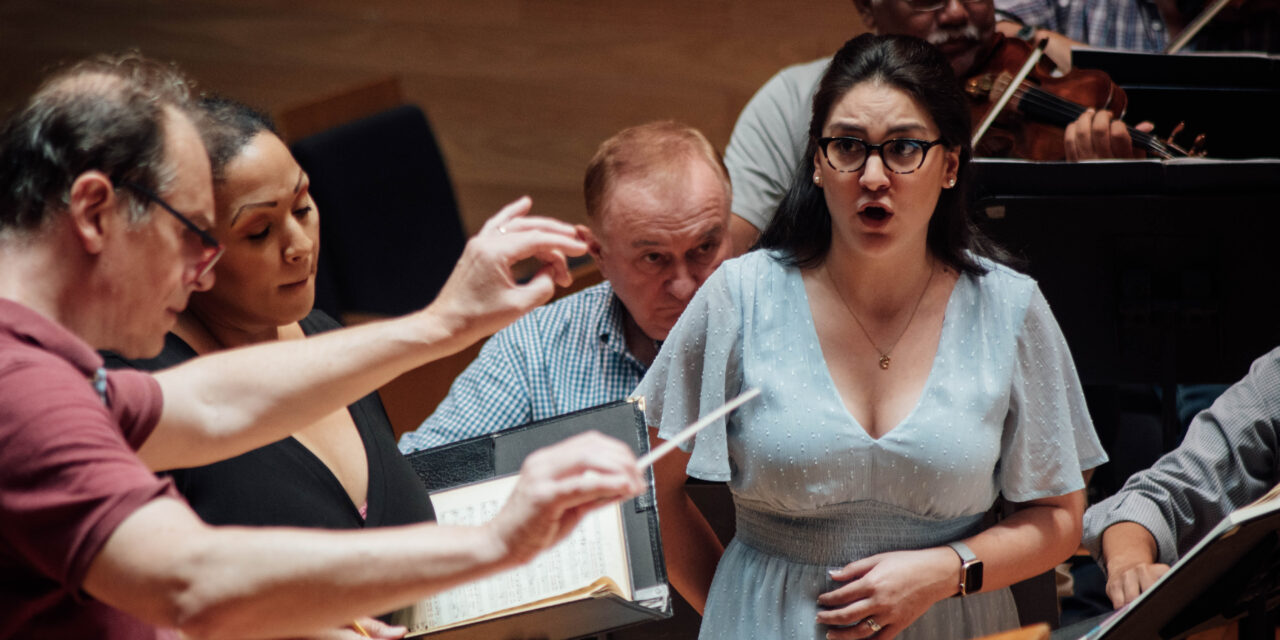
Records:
x=297, y=186
x=252, y=205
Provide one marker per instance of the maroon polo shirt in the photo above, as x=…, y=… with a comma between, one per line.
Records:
x=68, y=476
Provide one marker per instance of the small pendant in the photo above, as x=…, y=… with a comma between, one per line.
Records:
x=884, y=362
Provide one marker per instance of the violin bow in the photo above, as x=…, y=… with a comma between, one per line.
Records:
x=1009, y=91
x=1195, y=26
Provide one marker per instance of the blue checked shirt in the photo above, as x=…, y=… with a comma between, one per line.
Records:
x=1136, y=25
x=1132, y=25
x=568, y=355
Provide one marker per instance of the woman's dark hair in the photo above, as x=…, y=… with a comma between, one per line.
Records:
x=801, y=227
x=227, y=127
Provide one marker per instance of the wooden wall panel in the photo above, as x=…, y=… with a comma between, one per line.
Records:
x=520, y=92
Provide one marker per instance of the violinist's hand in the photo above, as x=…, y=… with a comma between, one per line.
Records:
x=893, y=589
x=1096, y=135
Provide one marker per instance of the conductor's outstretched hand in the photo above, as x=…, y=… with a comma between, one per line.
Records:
x=558, y=485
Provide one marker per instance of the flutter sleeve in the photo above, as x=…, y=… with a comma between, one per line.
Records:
x=1048, y=438
x=697, y=369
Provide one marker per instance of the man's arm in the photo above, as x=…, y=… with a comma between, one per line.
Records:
x=766, y=147
x=490, y=395
x=234, y=401
x=1129, y=554
x=1227, y=459
x=1058, y=49
x=164, y=566
x=691, y=548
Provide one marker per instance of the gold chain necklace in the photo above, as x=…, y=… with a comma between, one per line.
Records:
x=884, y=353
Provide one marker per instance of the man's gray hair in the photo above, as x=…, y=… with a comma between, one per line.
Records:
x=106, y=113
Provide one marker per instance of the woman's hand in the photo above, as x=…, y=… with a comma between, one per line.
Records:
x=891, y=589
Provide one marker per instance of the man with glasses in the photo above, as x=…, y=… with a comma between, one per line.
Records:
x=92, y=543
x=771, y=134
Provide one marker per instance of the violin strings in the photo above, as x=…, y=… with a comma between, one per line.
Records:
x=1052, y=105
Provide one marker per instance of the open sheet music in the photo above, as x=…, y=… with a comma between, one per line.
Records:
x=591, y=561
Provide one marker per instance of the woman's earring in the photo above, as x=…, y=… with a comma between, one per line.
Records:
x=817, y=180
x=951, y=182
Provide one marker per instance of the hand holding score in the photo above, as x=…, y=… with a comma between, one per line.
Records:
x=893, y=589
x=481, y=295
x=558, y=485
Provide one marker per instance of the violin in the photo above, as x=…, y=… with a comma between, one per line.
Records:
x=1031, y=125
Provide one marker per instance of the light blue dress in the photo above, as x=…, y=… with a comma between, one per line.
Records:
x=1001, y=412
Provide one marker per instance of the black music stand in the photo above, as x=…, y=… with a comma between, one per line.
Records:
x=1158, y=272
x=1233, y=574
x=1224, y=96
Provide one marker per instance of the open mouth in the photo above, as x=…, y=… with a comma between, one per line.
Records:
x=874, y=213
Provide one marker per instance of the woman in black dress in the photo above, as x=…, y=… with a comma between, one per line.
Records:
x=343, y=472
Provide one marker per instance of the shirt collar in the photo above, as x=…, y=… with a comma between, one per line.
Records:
x=612, y=330
x=27, y=325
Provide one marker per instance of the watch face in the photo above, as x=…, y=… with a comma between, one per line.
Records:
x=972, y=577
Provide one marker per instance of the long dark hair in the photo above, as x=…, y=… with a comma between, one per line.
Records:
x=801, y=227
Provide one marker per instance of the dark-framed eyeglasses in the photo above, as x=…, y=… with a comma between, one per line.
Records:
x=211, y=249
x=899, y=155
x=925, y=6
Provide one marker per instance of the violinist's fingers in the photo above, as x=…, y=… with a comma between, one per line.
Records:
x=1076, y=140
x=1101, y=134
x=1121, y=143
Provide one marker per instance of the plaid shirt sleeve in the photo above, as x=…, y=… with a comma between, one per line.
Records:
x=491, y=395
x=1036, y=13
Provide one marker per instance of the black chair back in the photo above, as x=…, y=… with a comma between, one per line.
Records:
x=390, y=233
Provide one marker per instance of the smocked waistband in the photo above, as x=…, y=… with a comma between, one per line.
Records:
x=840, y=533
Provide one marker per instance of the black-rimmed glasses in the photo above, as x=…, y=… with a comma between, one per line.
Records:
x=211, y=249
x=899, y=155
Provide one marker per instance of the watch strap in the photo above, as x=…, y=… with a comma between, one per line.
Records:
x=968, y=562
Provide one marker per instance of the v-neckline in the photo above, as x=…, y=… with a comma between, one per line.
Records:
x=315, y=461
x=332, y=477
x=806, y=305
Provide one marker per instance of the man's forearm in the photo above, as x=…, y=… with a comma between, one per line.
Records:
x=164, y=566
x=249, y=583
x=233, y=401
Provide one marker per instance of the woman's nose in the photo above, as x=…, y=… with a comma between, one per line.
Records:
x=875, y=175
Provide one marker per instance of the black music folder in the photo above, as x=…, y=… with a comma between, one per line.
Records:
x=494, y=458
x=1232, y=573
